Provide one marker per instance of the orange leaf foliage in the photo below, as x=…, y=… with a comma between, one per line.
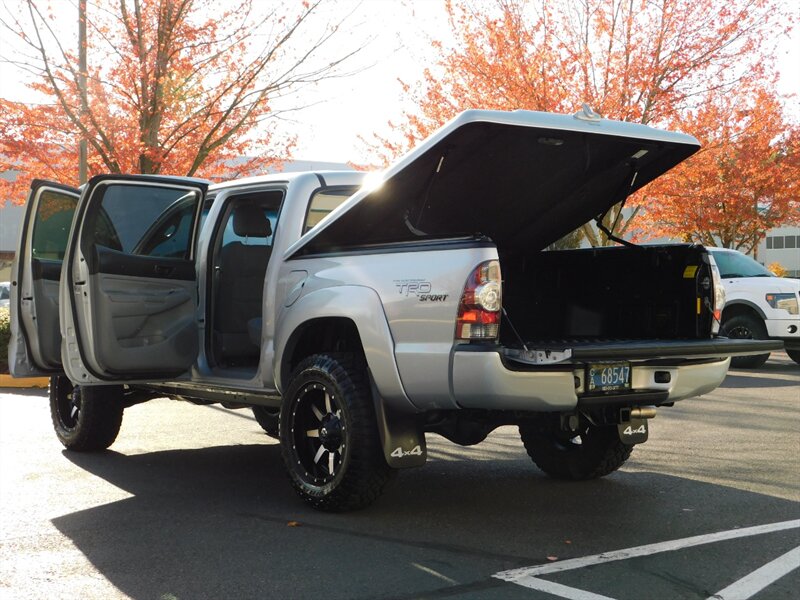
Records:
x=174, y=86
x=650, y=62
x=744, y=181
x=778, y=269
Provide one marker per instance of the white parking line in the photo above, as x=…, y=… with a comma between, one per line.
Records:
x=563, y=591
x=527, y=576
x=434, y=573
x=751, y=584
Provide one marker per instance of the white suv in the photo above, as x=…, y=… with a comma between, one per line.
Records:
x=758, y=305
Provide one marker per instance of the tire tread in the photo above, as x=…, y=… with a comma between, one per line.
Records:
x=367, y=471
x=610, y=456
x=99, y=421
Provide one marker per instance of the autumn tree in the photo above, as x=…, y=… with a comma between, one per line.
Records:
x=181, y=87
x=643, y=61
x=744, y=180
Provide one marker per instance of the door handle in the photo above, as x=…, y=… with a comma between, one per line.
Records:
x=162, y=270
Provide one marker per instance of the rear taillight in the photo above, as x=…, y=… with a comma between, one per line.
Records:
x=719, y=294
x=481, y=302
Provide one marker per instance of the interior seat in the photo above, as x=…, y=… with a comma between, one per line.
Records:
x=240, y=283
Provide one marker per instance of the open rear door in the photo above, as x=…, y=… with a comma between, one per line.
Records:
x=129, y=291
x=35, y=346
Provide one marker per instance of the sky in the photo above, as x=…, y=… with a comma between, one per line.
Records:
x=365, y=102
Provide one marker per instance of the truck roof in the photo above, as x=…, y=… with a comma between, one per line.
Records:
x=340, y=176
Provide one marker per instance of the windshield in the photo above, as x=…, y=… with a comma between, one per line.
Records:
x=735, y=264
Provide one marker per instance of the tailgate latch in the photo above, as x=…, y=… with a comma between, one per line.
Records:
x=538, y=357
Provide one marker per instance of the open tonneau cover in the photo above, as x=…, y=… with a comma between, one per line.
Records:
x=522, y=178
x=540, y=353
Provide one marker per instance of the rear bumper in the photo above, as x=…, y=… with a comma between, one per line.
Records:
x=482, y=380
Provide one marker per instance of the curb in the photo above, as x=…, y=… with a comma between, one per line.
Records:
x=6, y=381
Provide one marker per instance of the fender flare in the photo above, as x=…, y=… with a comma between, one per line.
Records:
x=364, y=308
x=401, y=431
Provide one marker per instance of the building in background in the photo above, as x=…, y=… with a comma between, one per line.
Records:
x=10, y=218
x=782, y=245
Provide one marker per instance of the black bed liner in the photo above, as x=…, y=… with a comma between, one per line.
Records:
x=605, y=350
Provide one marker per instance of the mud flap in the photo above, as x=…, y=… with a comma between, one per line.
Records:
x=402, y=435
x=633, y=431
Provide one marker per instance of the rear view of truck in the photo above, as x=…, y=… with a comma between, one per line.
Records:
x=578, y=348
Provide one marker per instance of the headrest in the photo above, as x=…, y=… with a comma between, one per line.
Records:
x=250, y=221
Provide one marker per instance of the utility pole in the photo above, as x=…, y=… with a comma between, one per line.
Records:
x=82, y=145
x=755, y=235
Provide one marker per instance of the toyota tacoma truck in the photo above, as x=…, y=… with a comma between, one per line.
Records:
x=355, y=316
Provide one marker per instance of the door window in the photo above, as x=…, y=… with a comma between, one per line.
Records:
x=52, y=224
x=145, y=220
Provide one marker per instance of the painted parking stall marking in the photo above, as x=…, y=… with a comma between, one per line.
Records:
x=756, y=581
x=740, y=590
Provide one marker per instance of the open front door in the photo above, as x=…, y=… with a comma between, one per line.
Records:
x=35, y=346
x=129, y=291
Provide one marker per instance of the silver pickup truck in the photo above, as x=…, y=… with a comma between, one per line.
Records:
x=356, y=315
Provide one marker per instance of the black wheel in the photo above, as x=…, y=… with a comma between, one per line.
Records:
x=595, y=452
x=745, y=327
x=85, y=418
x=329, y=435
x=268, y=419
x=794, y=355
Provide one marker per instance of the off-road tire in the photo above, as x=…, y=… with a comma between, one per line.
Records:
x=600, y=452
x=85, y=419
x=268, y=420
x=794, y=355
x=336, y=387
x=745, y=327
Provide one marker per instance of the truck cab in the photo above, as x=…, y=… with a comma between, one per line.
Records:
x=170, y=290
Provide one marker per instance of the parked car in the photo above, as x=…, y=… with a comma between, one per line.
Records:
x=354, y=319
x=759, y=305
x=5, y=293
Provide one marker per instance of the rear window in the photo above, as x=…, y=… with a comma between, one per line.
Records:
x=323, y=202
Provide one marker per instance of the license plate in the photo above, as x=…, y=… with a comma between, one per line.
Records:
x=609, y=377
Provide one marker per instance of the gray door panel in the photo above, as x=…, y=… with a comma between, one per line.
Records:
x=35, y=345
x=46, y=293
x=147, y=318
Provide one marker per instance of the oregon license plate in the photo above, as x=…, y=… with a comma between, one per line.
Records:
x=609, y=377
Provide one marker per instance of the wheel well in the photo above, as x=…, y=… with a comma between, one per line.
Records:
x=329, y=334
x=734, y=310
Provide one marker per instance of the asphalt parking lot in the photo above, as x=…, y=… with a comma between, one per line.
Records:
x=192, y=502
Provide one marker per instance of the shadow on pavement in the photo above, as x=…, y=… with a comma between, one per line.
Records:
x=735, y=380
x=215, y=522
